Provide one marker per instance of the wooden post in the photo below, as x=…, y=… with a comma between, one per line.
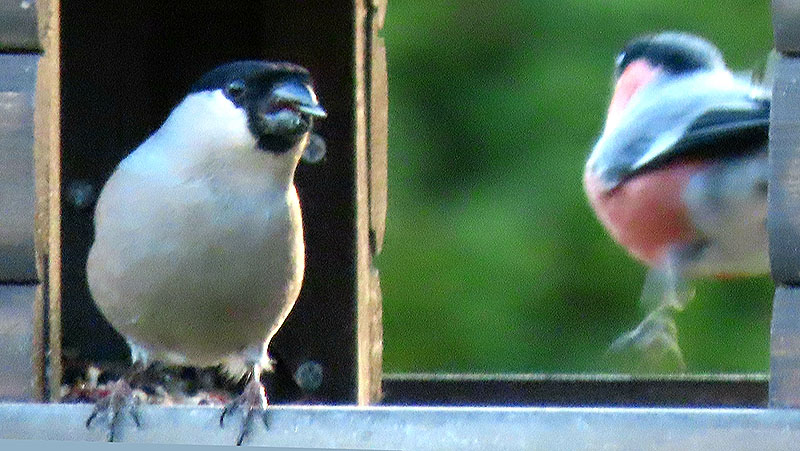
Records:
x=783, y=219
x=371, y=173
x=17, y=198
x=25, y=138
x=48, y=163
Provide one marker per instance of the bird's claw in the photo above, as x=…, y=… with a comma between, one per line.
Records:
x=652, y=345
x=254, y=401
x=119, y=401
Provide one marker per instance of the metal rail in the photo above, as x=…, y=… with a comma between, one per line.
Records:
x=431, y=428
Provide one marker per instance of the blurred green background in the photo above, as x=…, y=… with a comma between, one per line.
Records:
x=493, y=261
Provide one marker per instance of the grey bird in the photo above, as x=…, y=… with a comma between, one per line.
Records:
x=198, y=254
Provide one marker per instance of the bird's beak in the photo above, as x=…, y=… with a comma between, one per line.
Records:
x=313, y=110
x=301, y=95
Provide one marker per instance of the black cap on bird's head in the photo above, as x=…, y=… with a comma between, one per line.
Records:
x=674, y=52
x=279, y=99
x=656, y=58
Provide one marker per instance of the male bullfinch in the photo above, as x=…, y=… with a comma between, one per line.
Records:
x=679, y=176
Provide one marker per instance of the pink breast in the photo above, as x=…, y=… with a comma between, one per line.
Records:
x=646, y=214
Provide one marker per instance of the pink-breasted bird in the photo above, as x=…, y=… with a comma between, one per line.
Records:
x=679, y=175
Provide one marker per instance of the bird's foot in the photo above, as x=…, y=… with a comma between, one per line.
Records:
x=652, y=347
x=254, y=402
x=114, y=405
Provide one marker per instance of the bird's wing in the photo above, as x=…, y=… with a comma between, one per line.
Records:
x=717, y=132
x=697, y=116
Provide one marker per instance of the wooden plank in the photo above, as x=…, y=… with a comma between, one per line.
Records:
x=39, y=344
x=786, y=25
x=47, y=157
x=368, y=289
x=16, y=336
x=718, y=390
x=17, y=198
x=784, y=184
x=783, y=210
x=371, y=344
x=363, y=253
x=18, y=25
x=784, y=362
x=371, y=316
x=378, y=125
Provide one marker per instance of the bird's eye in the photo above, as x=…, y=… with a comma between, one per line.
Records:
x=235, y=88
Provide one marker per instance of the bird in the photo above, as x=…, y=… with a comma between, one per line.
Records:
x=678, y=177
x=198, y=255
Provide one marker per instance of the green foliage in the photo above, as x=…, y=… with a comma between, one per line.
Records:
x=493, y=261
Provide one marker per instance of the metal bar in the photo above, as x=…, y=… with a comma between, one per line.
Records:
x=575, y=390
x=783, y=212
x=431, y=428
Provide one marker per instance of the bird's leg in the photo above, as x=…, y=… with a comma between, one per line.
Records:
x=665, y=288
x=254, y=401
x=117, y=402
x=654, y=342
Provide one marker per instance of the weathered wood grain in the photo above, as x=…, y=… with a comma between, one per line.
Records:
x=783, y=211
x=786, y=25
x=17, y=198
x=18, y=25
x=16, y=342
x=370, y=196
x=378, y=125
x=47, y=159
